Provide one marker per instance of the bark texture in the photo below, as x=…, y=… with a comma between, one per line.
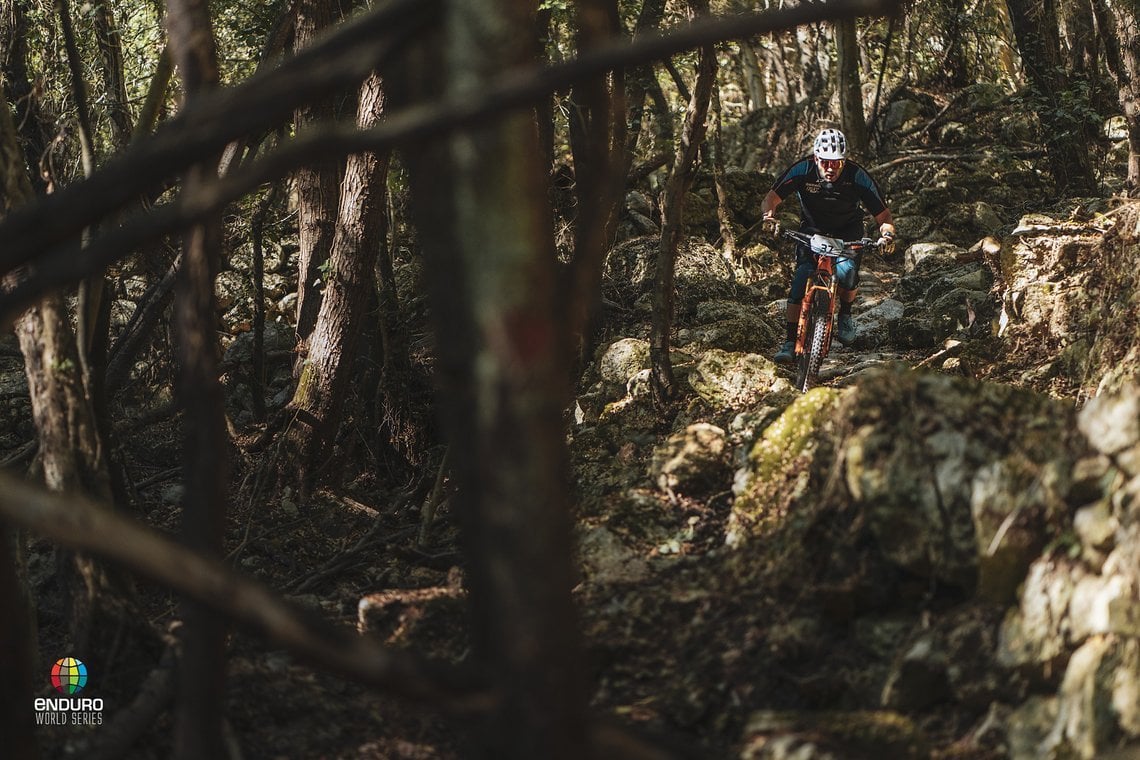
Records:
x=321, y=389
x=316, y=184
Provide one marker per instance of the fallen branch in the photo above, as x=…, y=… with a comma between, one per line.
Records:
x=139, y=716
x=924, y=157
x=950, y=349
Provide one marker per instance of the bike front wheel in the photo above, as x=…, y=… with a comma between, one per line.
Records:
x=811, y=359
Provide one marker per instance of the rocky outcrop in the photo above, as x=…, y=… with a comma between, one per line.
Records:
x=1075, y=634
x=943, y=493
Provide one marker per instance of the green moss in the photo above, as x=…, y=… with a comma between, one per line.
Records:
x=776, y=455
x=785, y=439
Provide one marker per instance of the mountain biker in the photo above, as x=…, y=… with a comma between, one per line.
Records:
x=831, y=189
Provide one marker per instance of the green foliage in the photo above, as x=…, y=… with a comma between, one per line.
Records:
x=1070, y=112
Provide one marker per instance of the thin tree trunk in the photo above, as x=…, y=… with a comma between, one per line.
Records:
x=18, y=85
x=672, y=216
x=753, y=76
x=17, y=615
x=70, y=450
x=257, y=243
x=17, y=649
x=319, y=397
x=850, y=86
x=599, y=172
x=114, y=82
x=723, y=213
x=201, y=676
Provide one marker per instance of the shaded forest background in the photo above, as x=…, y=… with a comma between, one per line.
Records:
x=305, y=302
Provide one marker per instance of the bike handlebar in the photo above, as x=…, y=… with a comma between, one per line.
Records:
x=848, y=245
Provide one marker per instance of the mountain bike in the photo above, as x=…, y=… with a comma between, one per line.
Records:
x=817, y=314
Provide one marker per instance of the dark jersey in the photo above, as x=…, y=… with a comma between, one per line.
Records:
x=831, y=209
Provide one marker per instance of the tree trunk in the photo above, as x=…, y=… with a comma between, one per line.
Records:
x=321, y=389
x=723, y=213
x=1067, y=139
x=201, y=676
x=672, y=217
x=850, y=86
x=643, y=83
x=114, y=82
x=17, y=615
x=753, y=76
x=598, y=139
x=17, y=649
x=18, y=86
x=1119, y=25
x=317, y=186
x=71, y=455
x=503, y=385
x=954, y=72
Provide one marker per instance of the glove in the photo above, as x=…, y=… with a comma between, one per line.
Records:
x=770, y=226
x=886, y=245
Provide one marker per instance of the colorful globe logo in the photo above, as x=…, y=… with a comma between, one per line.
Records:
x=68, y=675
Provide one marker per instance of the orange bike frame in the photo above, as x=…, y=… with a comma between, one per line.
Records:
x=822, y=279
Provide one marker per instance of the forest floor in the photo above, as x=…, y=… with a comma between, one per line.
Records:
x=680, y=618
x=333, y=550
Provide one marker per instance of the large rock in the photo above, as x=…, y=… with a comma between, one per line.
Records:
x=1035, y=637
x=1096, y=707
x=623, y=359
x=875, y=324
x=732, y=326
x=692, y=460
x=1044, y=272
x=941, y=493
x=919, y=252
x=725, y=379
x=605, y=558
x=944, y=496
x=1111, y=422
x=780, y=464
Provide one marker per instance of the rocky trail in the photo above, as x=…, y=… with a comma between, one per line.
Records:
x=935, y=554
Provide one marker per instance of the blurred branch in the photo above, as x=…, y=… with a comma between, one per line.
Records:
x=80, y=523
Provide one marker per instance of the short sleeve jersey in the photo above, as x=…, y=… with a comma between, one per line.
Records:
x=832, y=209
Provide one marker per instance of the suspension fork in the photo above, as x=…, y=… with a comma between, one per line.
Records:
x=821, y=280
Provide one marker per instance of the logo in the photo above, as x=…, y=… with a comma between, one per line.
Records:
x=68, y=675
x=811, y=187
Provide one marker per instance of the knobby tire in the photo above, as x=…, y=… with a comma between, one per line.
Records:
x=812, y=358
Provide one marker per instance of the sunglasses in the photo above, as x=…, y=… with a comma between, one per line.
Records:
x=830, y=163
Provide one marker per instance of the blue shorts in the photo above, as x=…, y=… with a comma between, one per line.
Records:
x=846, y=273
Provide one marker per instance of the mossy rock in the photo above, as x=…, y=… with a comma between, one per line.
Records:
x=725, y=379
x=779, y=465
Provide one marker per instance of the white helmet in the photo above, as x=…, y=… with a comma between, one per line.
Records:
x=831, y=144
